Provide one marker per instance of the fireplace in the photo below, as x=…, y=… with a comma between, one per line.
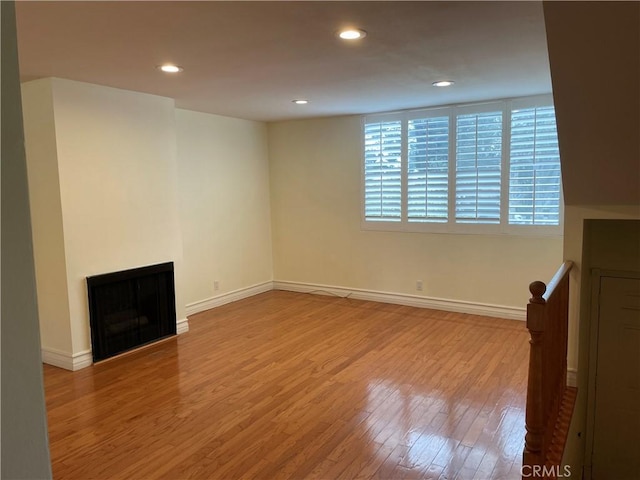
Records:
x=131, y=308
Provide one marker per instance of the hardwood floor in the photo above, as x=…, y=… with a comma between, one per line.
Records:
x=290, y=385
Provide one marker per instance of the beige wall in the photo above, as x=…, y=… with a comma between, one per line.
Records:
x=592, y=44
x=46, y=215
x=116, y=157
x=117, y=166
x=224, y=203
x=317, y=235
x=119, y=178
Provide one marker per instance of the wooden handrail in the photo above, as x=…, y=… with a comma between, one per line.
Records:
x=540, y=293
x=547, y=321
x=560, y=275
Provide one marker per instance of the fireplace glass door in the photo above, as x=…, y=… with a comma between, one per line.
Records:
x=131, y=308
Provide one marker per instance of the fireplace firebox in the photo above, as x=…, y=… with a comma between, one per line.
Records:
x=131, y=308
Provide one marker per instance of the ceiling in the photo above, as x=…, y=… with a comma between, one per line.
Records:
x=251, y=59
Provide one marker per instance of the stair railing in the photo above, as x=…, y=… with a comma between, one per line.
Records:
x=547, y=321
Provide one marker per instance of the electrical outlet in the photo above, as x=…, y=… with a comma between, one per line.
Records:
x=419, y=285
x=216, y=285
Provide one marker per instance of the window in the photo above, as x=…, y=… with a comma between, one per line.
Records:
x=487, y=168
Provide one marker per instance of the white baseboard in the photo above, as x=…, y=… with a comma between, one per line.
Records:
x=488, y=310
x=572, y=377
x=182, y=326
x=68, y=361
x=84, y=359
x=218, y=300
x=76, y=361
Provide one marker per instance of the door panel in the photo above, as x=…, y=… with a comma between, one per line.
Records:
x=616, y=447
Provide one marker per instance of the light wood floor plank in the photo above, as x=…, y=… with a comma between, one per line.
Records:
x=294, y=386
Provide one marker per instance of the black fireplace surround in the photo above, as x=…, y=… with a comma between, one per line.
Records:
x=131, y=308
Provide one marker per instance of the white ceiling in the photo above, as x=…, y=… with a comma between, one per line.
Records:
x=251, y=59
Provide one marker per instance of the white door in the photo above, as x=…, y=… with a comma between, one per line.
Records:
x=616, y=434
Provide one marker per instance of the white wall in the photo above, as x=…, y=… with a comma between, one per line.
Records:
x=116, y=160
x=316, y=204
x=223, y=178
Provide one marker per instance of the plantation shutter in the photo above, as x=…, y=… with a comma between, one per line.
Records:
x=383, y=170
x=478, y=161
x=534, y=176
x=482, y=168
x=428, y=170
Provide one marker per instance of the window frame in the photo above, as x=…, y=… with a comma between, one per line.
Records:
x=451, y=226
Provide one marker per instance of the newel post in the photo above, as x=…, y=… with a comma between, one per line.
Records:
x=534, y=421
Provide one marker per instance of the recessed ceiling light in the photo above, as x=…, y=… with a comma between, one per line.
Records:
x=443, y=83
x=170, y=68
x=300, y=102
x=352, y=34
